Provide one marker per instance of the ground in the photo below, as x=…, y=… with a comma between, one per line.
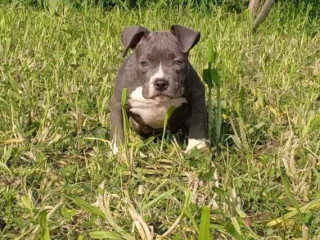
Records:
x=58, y=176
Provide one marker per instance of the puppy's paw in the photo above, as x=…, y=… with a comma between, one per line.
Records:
x=198, y=143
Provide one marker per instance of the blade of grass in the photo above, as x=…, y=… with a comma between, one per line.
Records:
x=124, y=97
x=191, y=217
x=166, y=119
x=105, y=235
x=43, y=221
x=161, y=196
x=290, y=195
x=88, y=207
x=204, y=228
x=315, y=204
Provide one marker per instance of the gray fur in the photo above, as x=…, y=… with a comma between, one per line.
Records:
x=165, y=50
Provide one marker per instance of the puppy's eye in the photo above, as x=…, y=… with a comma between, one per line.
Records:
x=178, y=62
x=144, y=63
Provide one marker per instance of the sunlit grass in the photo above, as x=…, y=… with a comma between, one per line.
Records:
x=58, y=176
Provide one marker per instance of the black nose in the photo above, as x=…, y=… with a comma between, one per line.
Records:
x=161, y=84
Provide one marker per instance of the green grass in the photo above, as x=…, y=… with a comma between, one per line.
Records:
x=58, y=177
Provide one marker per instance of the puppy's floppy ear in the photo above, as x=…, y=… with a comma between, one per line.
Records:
x=186, y=36
x=131, y=36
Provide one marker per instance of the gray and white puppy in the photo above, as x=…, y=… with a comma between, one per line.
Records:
x=158, y=75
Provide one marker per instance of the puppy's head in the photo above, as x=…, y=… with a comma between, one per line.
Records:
x=161, y=58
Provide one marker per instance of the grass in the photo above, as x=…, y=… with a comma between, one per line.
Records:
x=59, y=179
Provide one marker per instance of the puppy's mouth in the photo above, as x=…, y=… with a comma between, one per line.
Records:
x=162, y=97
x=166, y=95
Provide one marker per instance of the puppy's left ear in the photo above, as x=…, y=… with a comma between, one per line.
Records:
x=186, y=36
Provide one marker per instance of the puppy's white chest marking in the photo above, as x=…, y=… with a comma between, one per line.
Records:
x=152, y=111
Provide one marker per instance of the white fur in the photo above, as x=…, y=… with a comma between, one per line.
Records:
x=157, y=75
x=152, y=111
x=198, y=143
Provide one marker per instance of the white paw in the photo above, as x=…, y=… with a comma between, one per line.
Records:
x=198, y=143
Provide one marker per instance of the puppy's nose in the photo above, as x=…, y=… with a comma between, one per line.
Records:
x=161, y=84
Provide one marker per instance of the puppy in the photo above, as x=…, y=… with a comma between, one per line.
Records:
x=158, y=75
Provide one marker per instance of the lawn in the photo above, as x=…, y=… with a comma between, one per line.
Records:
x=58, y=177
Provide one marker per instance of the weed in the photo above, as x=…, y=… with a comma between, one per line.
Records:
x=59, y=178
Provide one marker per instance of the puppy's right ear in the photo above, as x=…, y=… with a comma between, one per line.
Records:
x=131, y=36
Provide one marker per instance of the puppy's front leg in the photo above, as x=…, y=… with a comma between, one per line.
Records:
x=198, y=120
